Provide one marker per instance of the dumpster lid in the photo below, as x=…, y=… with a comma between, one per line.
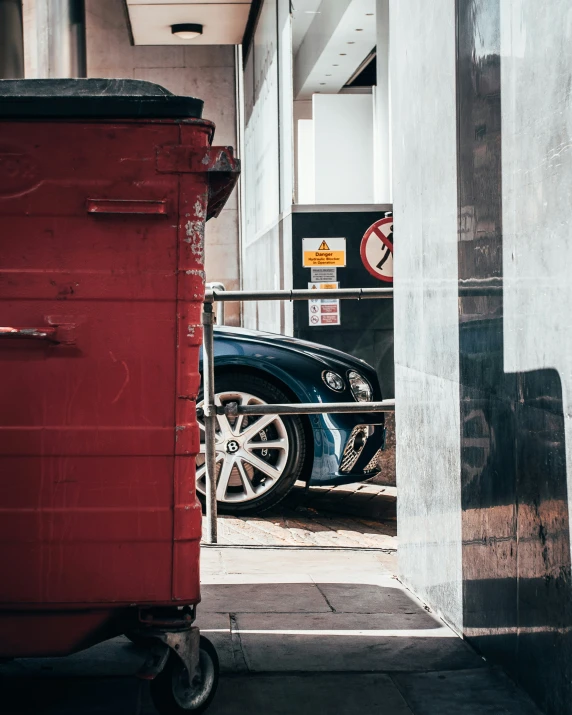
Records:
x=87, y=98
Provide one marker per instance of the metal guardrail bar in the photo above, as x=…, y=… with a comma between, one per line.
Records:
x=220, y=313
x=210, y=417
x=464, y=291
x=210, y=410
x=302, y=294
x=306, y=408
x=302, y=408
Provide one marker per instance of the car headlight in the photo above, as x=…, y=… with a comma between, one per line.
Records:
x=334, y=381
x=360, y=387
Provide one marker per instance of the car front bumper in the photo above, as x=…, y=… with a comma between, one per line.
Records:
x=346, y=453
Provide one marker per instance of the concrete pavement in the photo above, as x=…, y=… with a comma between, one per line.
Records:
x=305, y=631
x=352, y=515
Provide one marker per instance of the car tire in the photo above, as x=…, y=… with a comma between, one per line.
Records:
x=291, y=428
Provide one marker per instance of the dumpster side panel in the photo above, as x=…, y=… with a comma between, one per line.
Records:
x=193, y=204
x=91, y=244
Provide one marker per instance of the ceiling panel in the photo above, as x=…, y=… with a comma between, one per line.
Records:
x=334, y=47
x=303, y=13
x=223, y=22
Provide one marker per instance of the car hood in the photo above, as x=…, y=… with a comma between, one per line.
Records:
x=320, y=352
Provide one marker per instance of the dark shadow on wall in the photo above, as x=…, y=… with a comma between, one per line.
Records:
x=517, y=597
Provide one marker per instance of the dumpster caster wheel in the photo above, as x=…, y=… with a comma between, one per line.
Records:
x=173, y=693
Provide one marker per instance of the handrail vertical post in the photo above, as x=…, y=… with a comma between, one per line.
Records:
x=210, y=417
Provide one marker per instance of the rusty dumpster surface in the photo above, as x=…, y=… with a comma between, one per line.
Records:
x=103, y=206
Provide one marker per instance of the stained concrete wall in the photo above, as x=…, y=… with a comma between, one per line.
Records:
x=426, y=322
x=203, y=71
x=482, y=147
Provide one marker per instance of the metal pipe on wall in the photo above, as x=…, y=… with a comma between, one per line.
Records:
x=11, y=40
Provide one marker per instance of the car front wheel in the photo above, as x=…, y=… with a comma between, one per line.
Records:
x=258, y=458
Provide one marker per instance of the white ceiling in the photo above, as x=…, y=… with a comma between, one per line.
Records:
x=303, y=12
x=341, y=35
x=223, y=22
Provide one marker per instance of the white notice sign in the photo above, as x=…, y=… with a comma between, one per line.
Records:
x=323, y=311
x=324, y=275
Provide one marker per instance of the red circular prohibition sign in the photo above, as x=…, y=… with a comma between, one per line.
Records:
x=378, y=240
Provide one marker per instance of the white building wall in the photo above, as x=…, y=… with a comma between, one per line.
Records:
x=426, y=313
x=343, y=148
x=268, y=166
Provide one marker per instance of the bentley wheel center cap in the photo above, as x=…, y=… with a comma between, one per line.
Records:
x=232, y=447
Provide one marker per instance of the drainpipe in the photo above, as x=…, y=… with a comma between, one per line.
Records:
x=11, y=40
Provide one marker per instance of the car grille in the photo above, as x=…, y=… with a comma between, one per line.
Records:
x=374, y=465
x=354, y=448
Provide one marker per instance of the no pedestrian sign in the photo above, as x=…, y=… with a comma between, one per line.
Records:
x=377, y=249
x=322, y=252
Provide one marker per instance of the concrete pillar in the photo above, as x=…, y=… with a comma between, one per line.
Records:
x=11, y=40
x=382, y=131
x=55, y=38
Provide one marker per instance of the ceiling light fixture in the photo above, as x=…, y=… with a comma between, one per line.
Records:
x=187, y=30
x=359, y=29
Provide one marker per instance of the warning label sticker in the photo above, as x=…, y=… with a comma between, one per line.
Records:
x=324, y=311
x=323, y=252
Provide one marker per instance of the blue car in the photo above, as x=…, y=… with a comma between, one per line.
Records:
x=259, y=459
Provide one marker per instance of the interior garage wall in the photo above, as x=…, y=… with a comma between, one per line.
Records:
x=203, y=71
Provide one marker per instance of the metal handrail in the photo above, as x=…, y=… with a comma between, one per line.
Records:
x=301, y=294
x=220, y=315
x=209, y=411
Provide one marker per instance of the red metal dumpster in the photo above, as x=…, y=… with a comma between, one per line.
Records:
x=105, y=187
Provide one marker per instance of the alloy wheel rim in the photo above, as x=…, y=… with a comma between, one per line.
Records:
x=251, y=452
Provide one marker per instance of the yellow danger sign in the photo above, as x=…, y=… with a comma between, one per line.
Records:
x=318, y=252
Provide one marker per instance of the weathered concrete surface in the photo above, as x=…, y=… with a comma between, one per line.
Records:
x=352, y=515
x=297, y=631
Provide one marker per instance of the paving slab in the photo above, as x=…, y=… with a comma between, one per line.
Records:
x=369, y=598
x=297, y=630
x=75, y=696
x=238, y=695
x=339, y=623
x=362, y=565
x=474, y=692
x=327, y=651
x=114, y=658
x=263, y=598
x=303, y=695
